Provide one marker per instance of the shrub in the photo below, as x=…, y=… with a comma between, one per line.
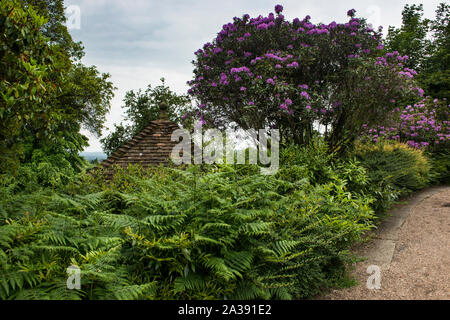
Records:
x=269, y=71
x=395, y=164
x=312, y=162
x=423, y=125
x=440, y=166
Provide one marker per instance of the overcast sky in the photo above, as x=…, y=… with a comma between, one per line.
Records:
x=140, y=41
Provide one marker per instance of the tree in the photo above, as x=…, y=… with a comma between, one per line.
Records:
x=25, y=66
x=141, y=107
x=48, y=94
x=427, y=43
x=293, y=75
x=411, y=38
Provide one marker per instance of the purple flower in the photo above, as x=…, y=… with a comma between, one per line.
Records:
x=288, y=101
x=305, y=94
x=351, y=12
x=303, y=86
x=243, y=89
x=278, y=8
x=262, y=26
x=308, y=107
x=270, y=80
x=241, y=69
x=294, y=64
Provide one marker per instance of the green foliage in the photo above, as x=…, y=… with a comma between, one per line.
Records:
x=426, y=42
x=394, y=164
x=440, y=166
x=25, y=65
x=411, y=37
x=210, y=232
x=47, y=95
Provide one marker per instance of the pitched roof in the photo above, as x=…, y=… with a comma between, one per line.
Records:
x=150, y=147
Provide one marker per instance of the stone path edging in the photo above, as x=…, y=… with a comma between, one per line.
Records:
x=381, y=248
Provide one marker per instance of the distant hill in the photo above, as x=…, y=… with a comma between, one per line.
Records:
x=89, y=156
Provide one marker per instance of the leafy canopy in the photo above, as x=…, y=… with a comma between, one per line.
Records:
x=47, y=93
x=427, y=43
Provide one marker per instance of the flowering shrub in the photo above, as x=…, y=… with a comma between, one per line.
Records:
x=422, y=125
x=268, y=71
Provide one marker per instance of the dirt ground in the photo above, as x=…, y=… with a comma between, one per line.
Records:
x=419, y=265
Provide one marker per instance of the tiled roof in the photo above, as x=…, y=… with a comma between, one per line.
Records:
x=150, y=147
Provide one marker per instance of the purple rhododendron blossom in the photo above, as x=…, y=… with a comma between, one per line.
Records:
x=305, y=94
x=278, y=8
x=241, y=69
x=351, y=12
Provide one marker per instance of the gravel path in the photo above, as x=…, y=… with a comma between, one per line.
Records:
x=411, y=249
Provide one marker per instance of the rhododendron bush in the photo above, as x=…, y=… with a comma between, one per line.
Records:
x=424, y=124
x=294, y=75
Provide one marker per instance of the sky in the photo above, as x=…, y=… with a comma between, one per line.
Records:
x=140, y=41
